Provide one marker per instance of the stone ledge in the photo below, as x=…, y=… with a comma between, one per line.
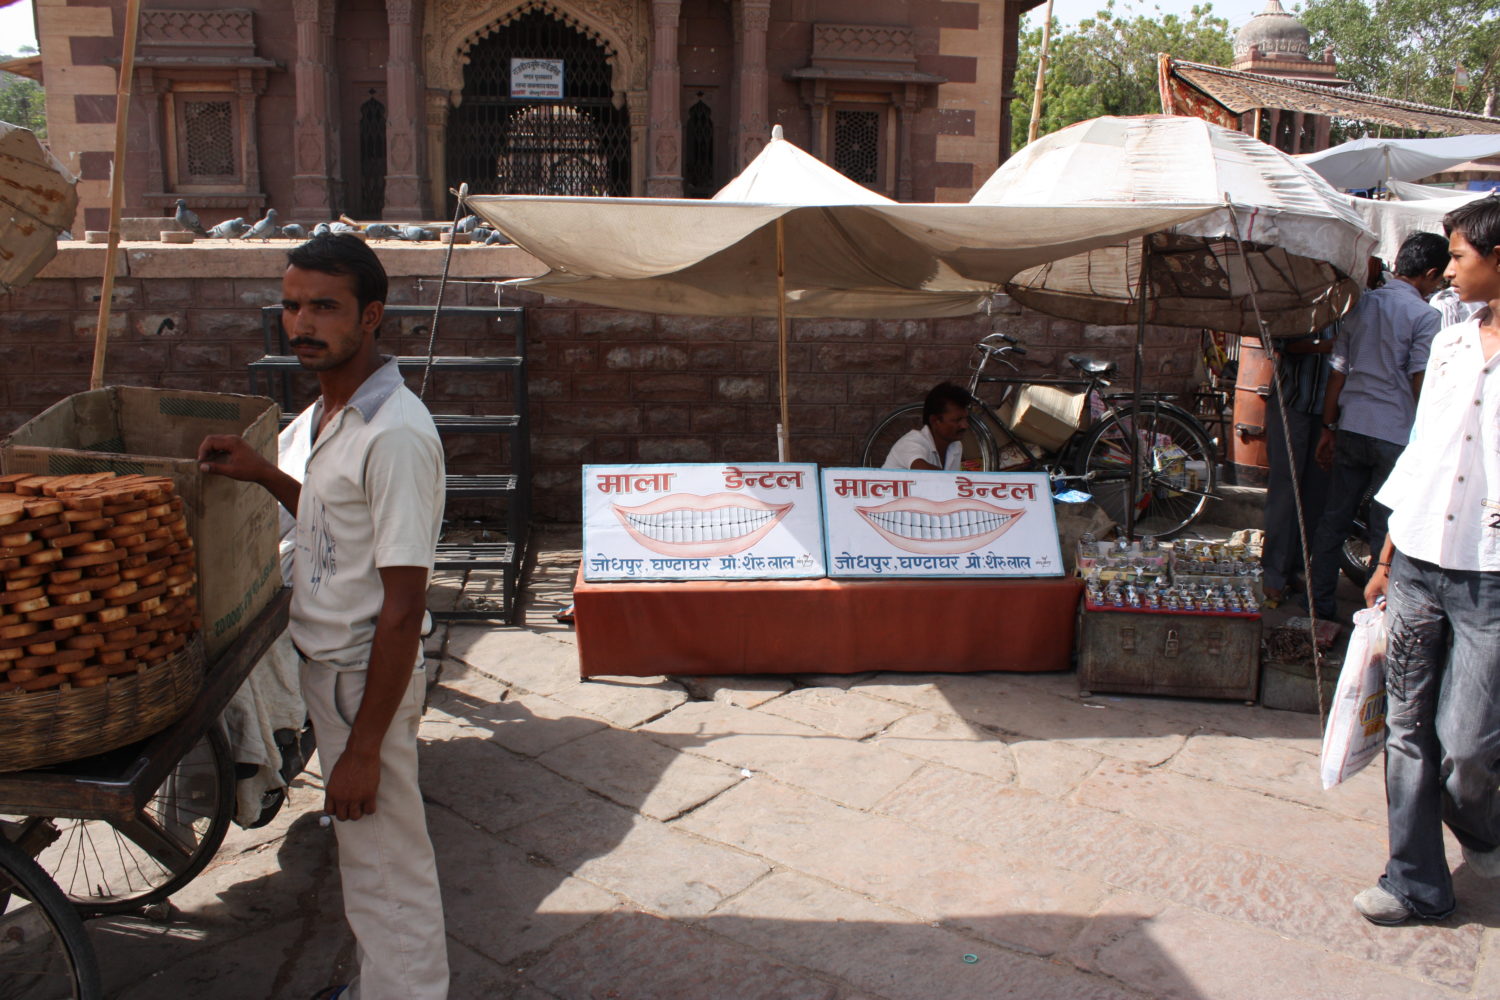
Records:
x=221, y=258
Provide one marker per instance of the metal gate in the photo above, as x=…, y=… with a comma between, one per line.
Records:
x=499, y=144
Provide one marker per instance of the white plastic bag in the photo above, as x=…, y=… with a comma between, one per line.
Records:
x=1356, y=723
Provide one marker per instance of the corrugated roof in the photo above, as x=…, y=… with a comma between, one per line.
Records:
x=1240, y=92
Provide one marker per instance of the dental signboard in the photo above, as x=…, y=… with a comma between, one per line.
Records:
x=914, y=523
x=751, y=521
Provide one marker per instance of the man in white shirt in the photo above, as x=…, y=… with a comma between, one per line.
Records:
x=368, y=510
x=1377, y=363
x=1440, y=572
x=938, y=443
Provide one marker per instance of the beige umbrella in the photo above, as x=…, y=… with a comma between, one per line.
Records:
x=792, y=237
x=37, y=201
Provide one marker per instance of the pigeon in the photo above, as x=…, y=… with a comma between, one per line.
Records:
x=416, y=234
x=494, y=237
x=381, y=231
x=228, y=229
x=264, y=229
x=292, y=231
x=322, y=229
x=468, y=223
x=188, y=219
x=343, y=227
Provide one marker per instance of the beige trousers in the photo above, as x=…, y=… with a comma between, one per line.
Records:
x=391, y=896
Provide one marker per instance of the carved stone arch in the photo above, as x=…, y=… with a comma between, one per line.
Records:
x=454, y=26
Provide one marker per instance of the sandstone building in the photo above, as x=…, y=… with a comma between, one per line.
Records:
x=378, y=107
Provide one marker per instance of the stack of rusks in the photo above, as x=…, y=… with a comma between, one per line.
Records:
x=98, y=574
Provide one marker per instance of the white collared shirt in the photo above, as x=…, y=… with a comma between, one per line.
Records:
x=372, y=497
x=1444, y=493
x=918, y=444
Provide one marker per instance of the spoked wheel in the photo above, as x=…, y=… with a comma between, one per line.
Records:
x=979, y=446
x=114, y=867
x=44, y=950
x=1177, y=473
x=1355, y=552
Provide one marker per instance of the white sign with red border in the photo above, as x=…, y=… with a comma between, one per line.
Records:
x=751, y=521
x=916, y=523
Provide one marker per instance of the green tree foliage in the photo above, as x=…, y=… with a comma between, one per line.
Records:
x=1106, y=64
x=1409, y=48
x=22, y=100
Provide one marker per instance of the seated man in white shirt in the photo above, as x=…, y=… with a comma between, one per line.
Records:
x=1440, y=570
x=937, y=443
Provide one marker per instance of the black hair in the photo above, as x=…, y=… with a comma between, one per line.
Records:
x=1479, y=221
x=938, y=399
x=340, y=253
x=1420, y=253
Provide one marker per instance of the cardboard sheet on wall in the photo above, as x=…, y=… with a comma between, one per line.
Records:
x=914, y=523
x=702, y=522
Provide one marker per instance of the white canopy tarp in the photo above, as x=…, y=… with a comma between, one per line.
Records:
x=1407, y=191
x=37, y=201
x=1393, y=221
x=1367, y=163
x=849, y=251
x=1303, y=240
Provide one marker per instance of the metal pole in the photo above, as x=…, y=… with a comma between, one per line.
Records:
x=116, y=190
x=1041, y=76
x=1135, y=418
x=784, y=429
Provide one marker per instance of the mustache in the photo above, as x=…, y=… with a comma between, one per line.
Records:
x=305, y=342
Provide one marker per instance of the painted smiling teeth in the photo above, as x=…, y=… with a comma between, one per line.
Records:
x=939, y=528
x=689, y=525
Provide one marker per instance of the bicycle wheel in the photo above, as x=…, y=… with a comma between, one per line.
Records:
x=113, y=867
x=1354, y=554
x=1177, y=467
x=979, y=446
x=44, y=951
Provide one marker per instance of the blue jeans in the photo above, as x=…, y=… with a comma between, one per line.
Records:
x=1442, y=750
x=1360, y=465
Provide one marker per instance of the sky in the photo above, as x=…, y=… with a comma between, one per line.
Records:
x=16, y=25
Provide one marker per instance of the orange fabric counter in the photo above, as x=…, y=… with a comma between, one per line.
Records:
x=824, y=626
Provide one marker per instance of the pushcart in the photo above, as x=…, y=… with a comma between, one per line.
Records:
x=116, y=832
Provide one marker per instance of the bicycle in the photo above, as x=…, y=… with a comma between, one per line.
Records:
x=44, y=949
x=1177, y=471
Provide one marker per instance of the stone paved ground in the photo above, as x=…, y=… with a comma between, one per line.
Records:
x=875, y=837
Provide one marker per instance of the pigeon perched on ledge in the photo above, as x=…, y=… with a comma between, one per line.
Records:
x=292, y=231
x=264, y=229
x=228, y=229
x=381, y=231
x=416, y=234
x=468, y=223
x=495, y=236
x=322, y=229
x=188, y=219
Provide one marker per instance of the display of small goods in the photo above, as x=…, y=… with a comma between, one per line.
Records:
x=1191, y=577
x=98, y=574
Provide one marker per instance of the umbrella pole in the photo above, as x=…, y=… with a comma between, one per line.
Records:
x=783, y=429
x=1135, y=420
x=116, y=189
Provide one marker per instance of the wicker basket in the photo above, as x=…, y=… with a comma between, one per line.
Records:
x=48, y=727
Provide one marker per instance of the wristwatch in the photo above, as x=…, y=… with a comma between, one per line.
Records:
x=1330, y=427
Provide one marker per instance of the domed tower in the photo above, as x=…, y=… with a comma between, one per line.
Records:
x=1274, y=43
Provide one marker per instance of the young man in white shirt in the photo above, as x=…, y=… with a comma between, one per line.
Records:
x=1440, y=573
x=938, y=443
x=369, y=508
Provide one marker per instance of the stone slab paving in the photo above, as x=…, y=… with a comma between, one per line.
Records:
x=825, y=837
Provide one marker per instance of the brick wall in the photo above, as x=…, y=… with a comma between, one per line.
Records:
x=605, y=386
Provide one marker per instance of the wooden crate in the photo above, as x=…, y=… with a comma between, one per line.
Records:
x=1187, y=655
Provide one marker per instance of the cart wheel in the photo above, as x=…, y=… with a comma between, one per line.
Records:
x=114, y=867
x=44, y=950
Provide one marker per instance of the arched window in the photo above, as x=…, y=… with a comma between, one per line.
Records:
x=698, y=151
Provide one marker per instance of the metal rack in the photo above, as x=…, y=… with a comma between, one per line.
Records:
x=280, y=375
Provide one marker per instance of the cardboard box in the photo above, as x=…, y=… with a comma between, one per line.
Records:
x=157, y=432
x=1046, y=415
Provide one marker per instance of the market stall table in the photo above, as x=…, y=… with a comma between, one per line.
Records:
x=825, y=626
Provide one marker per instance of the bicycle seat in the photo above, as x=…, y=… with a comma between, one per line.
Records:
x=1092, y=366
